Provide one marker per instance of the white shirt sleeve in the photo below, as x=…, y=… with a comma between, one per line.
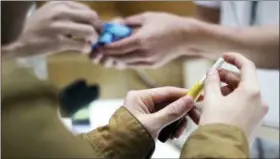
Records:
x=209, y=4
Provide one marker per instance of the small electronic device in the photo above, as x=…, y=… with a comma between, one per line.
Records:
x=112, y=32
x=194, y=92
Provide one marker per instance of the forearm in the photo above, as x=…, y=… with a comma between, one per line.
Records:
x=259, y=44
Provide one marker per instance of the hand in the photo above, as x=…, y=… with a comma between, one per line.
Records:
x=159, y=107
x=157, y=39
x=56, y=27
x=239, y=103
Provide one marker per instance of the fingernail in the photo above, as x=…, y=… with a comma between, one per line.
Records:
x=211, y=72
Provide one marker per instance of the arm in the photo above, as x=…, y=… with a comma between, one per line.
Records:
x=123, y=137
x=259, y=44
x=153, y=45
x=30, y=125
x=29, y=110
x=216, y=141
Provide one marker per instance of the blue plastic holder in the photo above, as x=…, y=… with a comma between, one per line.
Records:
x=112, y=32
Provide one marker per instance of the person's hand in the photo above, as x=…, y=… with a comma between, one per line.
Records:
x=239, y=103
x=58, y=26
x=157, y=39
x=156, y=108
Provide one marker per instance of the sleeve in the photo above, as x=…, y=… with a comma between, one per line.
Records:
x=208, y=4
x=29, y=121
x=216, y=141
x=32, y=129
x=123, y=137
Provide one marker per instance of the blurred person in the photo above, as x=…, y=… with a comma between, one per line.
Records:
x=31, y=127
x=249, y=27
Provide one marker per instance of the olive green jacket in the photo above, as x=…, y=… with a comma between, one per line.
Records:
x=31, y=128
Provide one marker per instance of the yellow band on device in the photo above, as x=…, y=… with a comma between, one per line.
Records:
x=195, y=91
x=198, y=87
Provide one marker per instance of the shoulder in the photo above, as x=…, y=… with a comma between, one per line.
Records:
x=18, y=82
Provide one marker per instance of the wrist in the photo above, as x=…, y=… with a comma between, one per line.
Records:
x=13, y=50
x=203, y=39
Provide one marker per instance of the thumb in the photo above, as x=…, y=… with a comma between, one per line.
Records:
x=212, y=83
x=117, y=20
x=75, y=45
x=174, y=111
x=135, y=20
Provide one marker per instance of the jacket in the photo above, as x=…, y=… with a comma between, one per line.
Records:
x=31, y=128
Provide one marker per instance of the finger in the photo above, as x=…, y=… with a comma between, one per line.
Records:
x=194, y=115
x=109, y=63
x=117, y=20
x=212, y=84
x=75, y=45
x=229, y=77
x=119, y=65
x=132, y=57
x=134, y=20
x=181, y=129
x=76, y=5
x=164, y=94
x=80, y=16
x=174, y=111
x=123, y=46
x=226, y=90
x=141, y=65
x=81, y=31
x=247, y=68
x=148, y=63
x=95, y=57
x=106, y=62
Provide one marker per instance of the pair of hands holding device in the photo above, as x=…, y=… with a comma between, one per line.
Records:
x=238, y=103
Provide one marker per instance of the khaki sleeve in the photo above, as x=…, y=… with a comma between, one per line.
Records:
x=31, y=127
x=123, y=137
x=29, y=120
x=216, y=141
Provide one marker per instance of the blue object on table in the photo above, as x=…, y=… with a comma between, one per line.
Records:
x=112, y=32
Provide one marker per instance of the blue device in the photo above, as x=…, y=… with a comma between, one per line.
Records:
x=112, y=32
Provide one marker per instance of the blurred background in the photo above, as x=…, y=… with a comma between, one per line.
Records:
x=65, y=68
